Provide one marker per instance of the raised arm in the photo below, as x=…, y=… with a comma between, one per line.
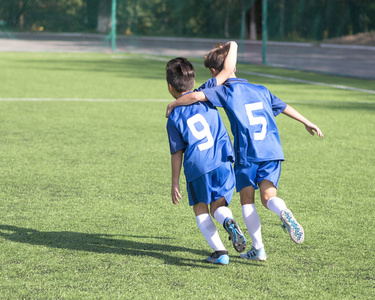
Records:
x=176, y=163
x=229, y=64
x=310, y=127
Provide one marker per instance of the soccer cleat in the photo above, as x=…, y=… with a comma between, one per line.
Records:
x=219, y=258
x=255, y=254
x=235, y=234
x=294, y=228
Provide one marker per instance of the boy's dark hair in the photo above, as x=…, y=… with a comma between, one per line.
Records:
x=180, y=74
x=216, y=57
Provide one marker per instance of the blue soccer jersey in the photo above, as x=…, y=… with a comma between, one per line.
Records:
x=251, y=110
x=199, y=131
x=208, y=84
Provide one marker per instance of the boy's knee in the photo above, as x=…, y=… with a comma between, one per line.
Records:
x=200, y=208
x=214, y=205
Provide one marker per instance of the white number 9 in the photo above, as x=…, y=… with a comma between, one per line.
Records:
x=204, y=133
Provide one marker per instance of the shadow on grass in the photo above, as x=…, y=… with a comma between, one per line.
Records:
x=104, y=243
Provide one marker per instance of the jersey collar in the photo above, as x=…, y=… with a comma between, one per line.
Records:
x=235, y=80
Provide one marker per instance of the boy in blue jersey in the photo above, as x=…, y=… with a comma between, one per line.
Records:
x=197, y=134
x=251, y=110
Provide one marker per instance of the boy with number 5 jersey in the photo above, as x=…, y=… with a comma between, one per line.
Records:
x=251, y=110
x=197, y=134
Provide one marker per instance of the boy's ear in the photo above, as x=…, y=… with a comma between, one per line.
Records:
x=213, y=72
x=170, y=88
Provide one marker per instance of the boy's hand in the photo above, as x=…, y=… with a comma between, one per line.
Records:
x=176, y=196
x=310, y=127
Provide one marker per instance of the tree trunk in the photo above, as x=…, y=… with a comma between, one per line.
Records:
x=253, y=24
x=104, y=16
x=226, y=21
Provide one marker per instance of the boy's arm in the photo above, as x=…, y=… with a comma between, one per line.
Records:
x=229, y=64
x=228, y=68
x=310, y=127
x=186, y=99
x=176, y=163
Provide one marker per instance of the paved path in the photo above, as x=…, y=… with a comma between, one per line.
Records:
x=352, y=61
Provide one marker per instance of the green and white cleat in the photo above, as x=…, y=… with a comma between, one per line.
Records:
x=255, y=254
x=294, y=228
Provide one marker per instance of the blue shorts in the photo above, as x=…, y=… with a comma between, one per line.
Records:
x=252, y=175
x=212, y=186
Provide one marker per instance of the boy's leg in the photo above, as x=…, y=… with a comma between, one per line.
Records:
x=252, y=221
x=277, y=205
x=224, y=216
x=268, y=196
x=207, y=227
x=250, y=216
x=220, y=211
x=210, y=233
x=199, y=198
x=246, y=184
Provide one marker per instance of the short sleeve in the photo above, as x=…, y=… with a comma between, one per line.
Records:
x=210, y=83
x=176, y=142
x=217, y=95
x=278, y=106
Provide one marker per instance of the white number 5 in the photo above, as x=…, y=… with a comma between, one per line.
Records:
x=204, y=133
x=257, y=120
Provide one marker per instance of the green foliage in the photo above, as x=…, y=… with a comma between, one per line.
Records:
x=84, y=190
x=287, y=19
x=318, y=20
x=55, y=16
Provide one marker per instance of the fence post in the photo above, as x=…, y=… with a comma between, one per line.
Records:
x=113, y=26
x=264, y=32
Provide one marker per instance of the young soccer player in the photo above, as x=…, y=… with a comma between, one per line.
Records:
x=251, y=110
x=197, y=134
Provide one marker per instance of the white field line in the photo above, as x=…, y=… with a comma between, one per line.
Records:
x=168, y=100
x=83, y=100
x=342, y=87
x=160, y=100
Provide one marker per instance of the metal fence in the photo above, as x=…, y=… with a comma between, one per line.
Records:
x=331, y=36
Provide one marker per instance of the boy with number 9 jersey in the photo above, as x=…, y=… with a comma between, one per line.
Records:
x=198, y=136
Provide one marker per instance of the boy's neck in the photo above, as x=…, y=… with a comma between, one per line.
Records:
x=233, y=75
x=178, y=95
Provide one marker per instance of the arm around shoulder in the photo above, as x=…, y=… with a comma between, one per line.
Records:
x=186, y=99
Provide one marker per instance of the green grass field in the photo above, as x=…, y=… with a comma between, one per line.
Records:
x=85, y=188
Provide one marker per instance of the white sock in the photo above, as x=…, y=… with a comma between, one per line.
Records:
x=209, y=231
x=221, y=213
x=276, y=205
x=252, y=222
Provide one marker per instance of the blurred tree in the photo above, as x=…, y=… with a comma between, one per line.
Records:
x=92, y=12
x=104, y=16
x=296, y=20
